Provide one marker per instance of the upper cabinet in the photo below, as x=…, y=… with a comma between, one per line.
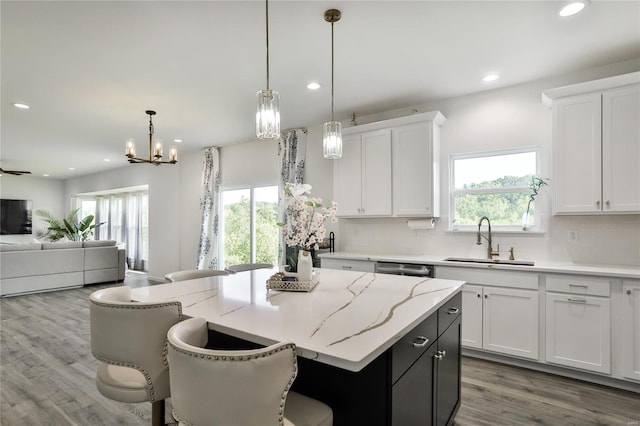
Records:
x=390, y=168
x=596, y=146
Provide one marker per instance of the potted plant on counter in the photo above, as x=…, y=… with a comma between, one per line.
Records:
x=536, y=184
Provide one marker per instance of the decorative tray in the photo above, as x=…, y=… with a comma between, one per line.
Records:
x=277, y=282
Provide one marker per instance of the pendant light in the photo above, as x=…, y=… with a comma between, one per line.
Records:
x=268, y=112
x=332, y=130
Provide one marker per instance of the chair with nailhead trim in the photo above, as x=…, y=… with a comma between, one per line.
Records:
x=236, y=387
x=130, y=341
x=248, y=267
x=191, y=274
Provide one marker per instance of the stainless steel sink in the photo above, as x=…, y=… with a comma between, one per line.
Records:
x=490, y=261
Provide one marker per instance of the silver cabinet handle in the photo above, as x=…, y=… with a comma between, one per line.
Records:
x=439, y=355
x=420, y=342
x=608, y=204
x=453, y=311
x=576, y=300
x=629, y=291
x=598, y=203
x=346, y=267
x=578, y=285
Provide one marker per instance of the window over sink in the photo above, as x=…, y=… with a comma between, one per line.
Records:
x=493, y=184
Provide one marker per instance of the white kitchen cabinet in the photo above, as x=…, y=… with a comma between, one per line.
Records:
x=390, y=168
x=631, y=329
x=362, y=177
x=416, y=168
x=578, y=322
x=596, y=146
x=348, y=264
x=578, y=332
x=502, y=316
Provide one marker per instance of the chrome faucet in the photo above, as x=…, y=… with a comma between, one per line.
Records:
x=490, y=252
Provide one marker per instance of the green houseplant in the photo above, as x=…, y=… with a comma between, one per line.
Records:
x=536, y=184
x=68, y=227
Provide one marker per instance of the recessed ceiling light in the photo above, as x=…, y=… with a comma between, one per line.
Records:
x=21, y=106
x=107, y=160
x=490, y=77
x=313, y=85
x=72, y=168
x=177, y=140
x=572, y=8
x=46, y=175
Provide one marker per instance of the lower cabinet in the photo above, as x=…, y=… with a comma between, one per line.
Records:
x=500, y=319
x=428, y=392
x=578, y=323
x=348, y=264
x=631, y=329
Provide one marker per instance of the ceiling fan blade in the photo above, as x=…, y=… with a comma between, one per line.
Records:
x=15, y=172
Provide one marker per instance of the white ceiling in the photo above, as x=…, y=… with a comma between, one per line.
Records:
x=90, y=69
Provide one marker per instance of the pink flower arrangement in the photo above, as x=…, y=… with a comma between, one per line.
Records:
x=305, y=216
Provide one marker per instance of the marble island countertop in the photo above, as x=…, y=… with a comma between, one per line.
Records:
x=610, y=271
x=346, y=321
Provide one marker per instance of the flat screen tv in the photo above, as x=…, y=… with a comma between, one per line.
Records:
x=15, y=217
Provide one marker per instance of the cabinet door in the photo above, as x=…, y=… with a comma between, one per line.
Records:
x=510, y=321
x=472, y=318
x=414, y=170
x=578, y=332
x=347, y=177
x=448, y=374
x=577, y=154
x=412, y=395
x=621, y=150
x=376, y=173
x=631, y=329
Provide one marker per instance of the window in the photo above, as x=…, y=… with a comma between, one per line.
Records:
x=495, y=185
x=126, y=220
x=249, y=228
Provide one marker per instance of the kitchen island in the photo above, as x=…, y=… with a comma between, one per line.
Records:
x=368, y=344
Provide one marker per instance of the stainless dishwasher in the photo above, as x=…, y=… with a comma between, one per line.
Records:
x=412, y=269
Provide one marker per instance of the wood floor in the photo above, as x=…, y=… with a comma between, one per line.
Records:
x=47, y=377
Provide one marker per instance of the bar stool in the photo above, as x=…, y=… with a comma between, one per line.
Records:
x=129, y=340
x=238, y=387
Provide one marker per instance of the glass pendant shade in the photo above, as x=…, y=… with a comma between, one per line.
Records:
x=332, y=140
x=268, y=115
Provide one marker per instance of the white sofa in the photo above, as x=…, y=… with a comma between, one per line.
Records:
x=28, y=268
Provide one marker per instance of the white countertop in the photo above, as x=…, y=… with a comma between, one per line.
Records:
x=539, y=266
x=347, y=320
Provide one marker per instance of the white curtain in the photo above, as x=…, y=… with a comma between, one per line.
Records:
x=125, y=222
x=209, y=200
x=292, y=152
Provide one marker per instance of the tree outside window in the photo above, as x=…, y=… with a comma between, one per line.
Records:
x=249, y=228
x=496, y=185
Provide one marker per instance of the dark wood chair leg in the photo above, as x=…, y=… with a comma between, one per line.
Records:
x=157, y=413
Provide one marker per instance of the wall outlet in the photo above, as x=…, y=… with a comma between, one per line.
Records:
x=573, y=236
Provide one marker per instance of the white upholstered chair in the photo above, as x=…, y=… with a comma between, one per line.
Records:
x=248, y=267
x=129, y=339
x=191, y=274
x=237, y=387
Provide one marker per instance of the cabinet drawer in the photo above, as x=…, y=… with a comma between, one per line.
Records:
x=347, y=264
x=407, y=350
x=449, y=312
x=592, y=286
